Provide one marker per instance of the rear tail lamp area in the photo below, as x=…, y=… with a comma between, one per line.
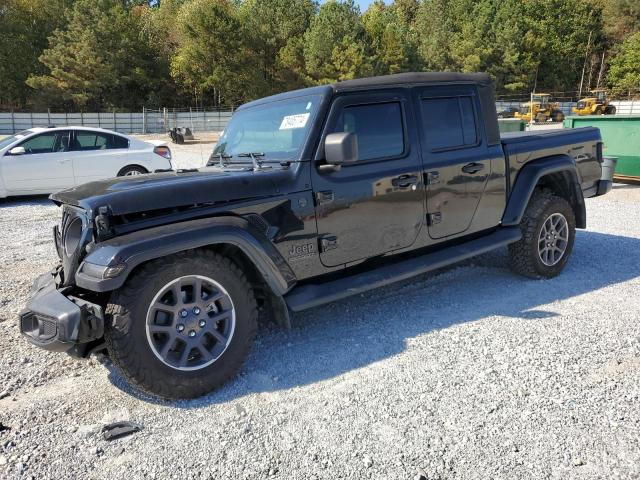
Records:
x=163, y=152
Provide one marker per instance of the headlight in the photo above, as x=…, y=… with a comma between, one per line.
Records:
x=72, y=236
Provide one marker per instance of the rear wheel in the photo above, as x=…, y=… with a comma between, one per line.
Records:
x=132, y=170
x=183, y=325
x=610, y=110
x=598, y=110
x=558, y=116
x=548, y=233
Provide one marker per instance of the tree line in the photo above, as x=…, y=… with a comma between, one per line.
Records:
x=123, y=54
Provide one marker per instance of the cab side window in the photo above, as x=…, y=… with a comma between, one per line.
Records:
x=379, y=128
x=449, y=122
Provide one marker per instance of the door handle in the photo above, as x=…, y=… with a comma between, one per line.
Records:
x=64, y=160
x=404, y=181
x=472, y=167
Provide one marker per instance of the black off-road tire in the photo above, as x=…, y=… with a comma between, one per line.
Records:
x=524, y=258
x=125, y=329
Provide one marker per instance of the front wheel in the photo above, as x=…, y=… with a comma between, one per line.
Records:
x=548, y=233
x=182, y=325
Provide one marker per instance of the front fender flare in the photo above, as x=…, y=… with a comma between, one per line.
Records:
x=528, y=179
x=138, y=247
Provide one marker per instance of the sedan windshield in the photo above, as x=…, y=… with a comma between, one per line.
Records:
x=13, y=138
x=275, y=130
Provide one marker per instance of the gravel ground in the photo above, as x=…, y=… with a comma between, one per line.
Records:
x=468, y=373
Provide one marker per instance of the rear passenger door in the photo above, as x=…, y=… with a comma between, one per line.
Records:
x=455, y=156
x=98, y=155
x=376, y=204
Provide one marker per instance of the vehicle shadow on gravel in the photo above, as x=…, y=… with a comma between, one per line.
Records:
x=328, y=341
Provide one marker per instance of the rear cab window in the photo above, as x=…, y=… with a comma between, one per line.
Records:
x=449, y=119
x=449, y=122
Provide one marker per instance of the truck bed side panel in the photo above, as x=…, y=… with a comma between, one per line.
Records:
x=579, y=144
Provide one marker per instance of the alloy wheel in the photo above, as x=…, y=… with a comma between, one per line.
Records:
x=553, y=239
x=190, y=322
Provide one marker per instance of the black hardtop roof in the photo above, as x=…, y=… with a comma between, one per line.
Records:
x=397, y=79
x=412, y=78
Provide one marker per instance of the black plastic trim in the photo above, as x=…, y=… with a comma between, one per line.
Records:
x=528, y=179
x=313, y=295
x=135, y=248
x=76, y=321
x=604, y=187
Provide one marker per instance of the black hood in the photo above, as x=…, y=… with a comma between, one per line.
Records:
x=124, y=195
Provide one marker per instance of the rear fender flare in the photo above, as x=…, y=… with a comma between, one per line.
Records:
x=529, y=178
x=138, y=247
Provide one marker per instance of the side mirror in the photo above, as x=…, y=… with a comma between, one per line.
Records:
x=17, y=151
x=339, y=148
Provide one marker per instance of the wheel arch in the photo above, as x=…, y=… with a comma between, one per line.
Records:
x=233, y=236
x=132, y=165
x=557, y=173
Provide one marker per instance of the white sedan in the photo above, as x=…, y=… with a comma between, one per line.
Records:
x=45, y=160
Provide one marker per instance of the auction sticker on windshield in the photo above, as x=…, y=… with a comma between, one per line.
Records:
x=294, y=121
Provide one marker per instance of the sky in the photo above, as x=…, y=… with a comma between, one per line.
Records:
x=364, y=4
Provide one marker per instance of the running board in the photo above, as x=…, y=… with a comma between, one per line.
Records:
x=310, y=295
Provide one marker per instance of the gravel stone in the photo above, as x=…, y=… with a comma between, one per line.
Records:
x=467, y=373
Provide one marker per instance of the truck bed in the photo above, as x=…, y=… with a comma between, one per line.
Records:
x=581, y=144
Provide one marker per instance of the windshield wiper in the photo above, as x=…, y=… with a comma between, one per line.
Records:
x=257, y=164
x=221, y=159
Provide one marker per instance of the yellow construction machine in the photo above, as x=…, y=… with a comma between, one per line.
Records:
x=541, y=109
x=597, y=104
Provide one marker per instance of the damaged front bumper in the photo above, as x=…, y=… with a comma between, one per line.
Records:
x=58, y=321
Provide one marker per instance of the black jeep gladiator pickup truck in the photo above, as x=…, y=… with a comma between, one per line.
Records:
x=308, y=197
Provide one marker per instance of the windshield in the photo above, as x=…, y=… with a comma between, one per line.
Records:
x=5, y=142
x=276, y=129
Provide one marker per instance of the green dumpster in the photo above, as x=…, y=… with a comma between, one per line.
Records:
x=507, y=125
x=621, y=137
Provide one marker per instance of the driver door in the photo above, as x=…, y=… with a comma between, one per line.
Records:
x=45, y=166
x=376, y=204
